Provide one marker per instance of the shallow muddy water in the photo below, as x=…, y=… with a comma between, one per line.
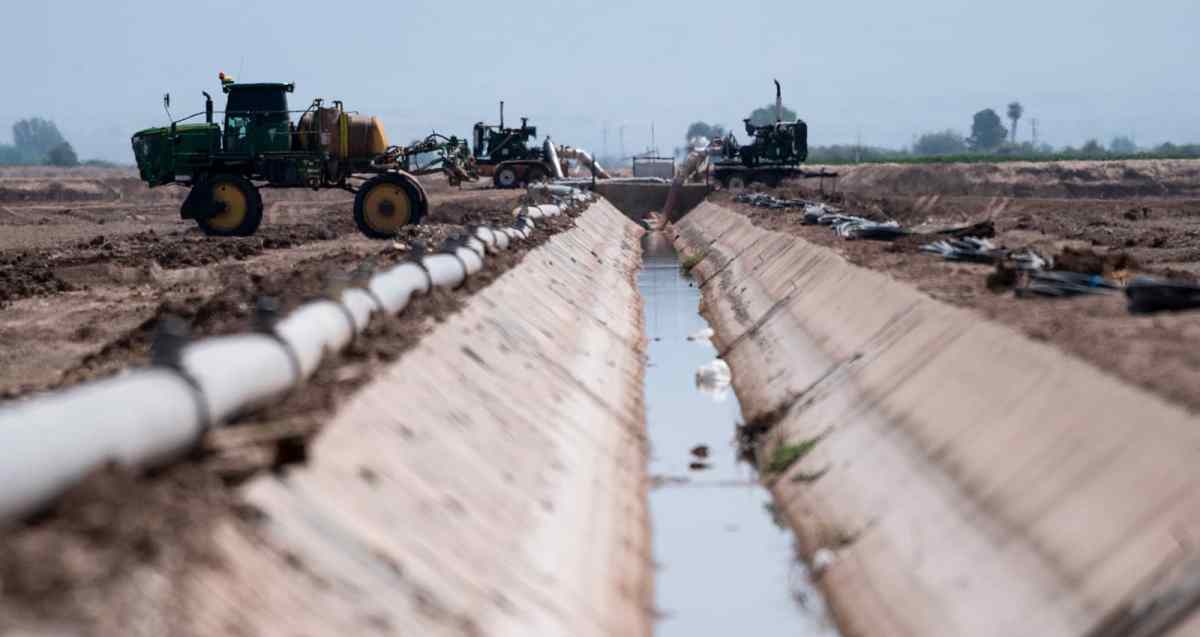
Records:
x=724, y=566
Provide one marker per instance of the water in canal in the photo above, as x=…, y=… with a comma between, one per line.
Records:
x=724, y=567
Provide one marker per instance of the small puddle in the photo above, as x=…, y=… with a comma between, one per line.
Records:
x=724, y=566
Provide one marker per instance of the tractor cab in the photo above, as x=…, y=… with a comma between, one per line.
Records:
x=256, y=118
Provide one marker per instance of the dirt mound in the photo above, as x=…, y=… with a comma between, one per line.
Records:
x=24, y=275
x=1070, y=179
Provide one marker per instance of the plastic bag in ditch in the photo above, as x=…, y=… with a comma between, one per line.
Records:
x=714, y=379
x=1058, y=284
x=1147, y=295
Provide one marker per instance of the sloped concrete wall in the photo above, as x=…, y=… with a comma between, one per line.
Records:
x=975, y=482
x=491, y=483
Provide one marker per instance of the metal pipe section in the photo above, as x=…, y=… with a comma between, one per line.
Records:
x=148, y=416
x=551, y=153
x=695, y=160
x=582, y=156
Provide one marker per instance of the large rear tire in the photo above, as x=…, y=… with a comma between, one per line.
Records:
x=507, y=177
x=238, y=207
x=736, y=182
x=387, y=203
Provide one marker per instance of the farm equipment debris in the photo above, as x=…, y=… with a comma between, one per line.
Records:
x=1062, y=283
x=973, y=249
x=763, y=200
x=1148, y=295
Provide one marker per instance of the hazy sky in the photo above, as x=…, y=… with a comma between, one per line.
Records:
x=1084, y=68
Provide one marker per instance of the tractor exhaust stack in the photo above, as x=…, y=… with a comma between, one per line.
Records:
x=778, y=103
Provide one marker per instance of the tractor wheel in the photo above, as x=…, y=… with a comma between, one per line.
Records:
x=737, y=182
x=770, y=180
x=239, y=207
x=506, y=177
x=385, y=204
x=536, y=175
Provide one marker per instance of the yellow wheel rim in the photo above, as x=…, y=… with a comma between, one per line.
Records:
x=235, y=210
x=386, y=208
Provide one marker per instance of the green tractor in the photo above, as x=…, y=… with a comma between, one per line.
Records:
x=506, y=155
x=260, y=146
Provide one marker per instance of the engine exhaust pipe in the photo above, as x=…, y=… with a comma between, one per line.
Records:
x=778, y=103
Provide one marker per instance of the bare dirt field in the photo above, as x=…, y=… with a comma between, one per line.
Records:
x=88, y=258
x=1158, y=234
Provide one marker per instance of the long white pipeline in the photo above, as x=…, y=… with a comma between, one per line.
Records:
x=50, y=444
x=148, y=416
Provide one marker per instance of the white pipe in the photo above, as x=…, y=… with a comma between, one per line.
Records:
x=480, y=248
x=554, y=189
x=394, y=287
x=361, y=305
x=312, y=329
x=489, y=238
x=470, y=260
x=147, y=416
x=502, y=239
x=237, y=373
x=445, y=270
x=51, y=442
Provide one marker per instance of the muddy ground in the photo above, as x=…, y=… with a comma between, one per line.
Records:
x=1155, y=235
x=84, y=300
x=87, y=258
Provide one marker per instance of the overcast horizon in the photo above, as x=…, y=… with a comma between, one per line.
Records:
x=886, y=75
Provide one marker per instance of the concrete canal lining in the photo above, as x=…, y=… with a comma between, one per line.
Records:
x=959, y=478
x=636, y=199
x=493, y=481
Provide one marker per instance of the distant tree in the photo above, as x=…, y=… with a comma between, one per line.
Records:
x=987, y=133
x=947, y=142
x=766, y=115
x=1015, y=111
x=34, y=137
x=62, y=155
x=9, y=155
x=703, y=129
x=1122, y=145
x=1092, y=148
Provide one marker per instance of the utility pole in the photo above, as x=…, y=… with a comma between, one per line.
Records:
x=1034, y=123
x=653, y=144
x=858, y=145
x=604, y=146
x=621, y=135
